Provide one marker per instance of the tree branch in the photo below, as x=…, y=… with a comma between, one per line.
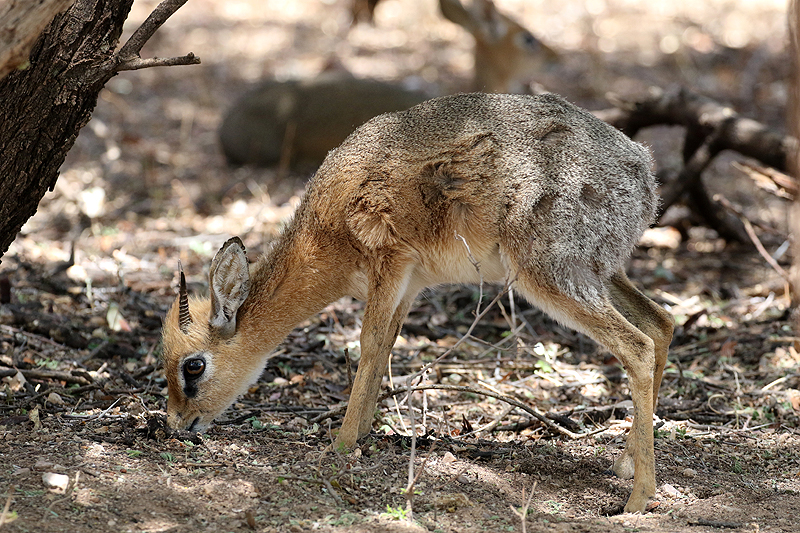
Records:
x=711, y=128
x=139, y=63
x=129, y=58
x=681, y=107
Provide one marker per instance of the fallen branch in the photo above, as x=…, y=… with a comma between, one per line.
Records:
x=748, y=227
x=39, y=373
x=711, y=128
x=680, y=107
x=773, y=181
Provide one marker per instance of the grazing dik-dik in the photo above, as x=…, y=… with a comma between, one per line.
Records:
x=544, y=194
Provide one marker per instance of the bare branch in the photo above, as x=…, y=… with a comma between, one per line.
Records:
x=502, y=397
x=155, y=20
x=748, y=227
x=129, y=56
x=137, y=63
x=681, y=107
x=711, y=127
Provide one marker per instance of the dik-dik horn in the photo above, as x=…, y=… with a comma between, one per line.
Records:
x=298, y=122
x=543, y=193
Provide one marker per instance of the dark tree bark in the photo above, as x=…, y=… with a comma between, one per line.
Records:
x=45, y=106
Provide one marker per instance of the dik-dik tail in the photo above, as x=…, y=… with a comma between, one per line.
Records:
x=544, y=194
x=296, y=123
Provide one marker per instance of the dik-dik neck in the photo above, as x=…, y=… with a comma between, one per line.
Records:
x=293, y=282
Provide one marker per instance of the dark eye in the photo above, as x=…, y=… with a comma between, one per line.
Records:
x=530, y=41
x=193, y=368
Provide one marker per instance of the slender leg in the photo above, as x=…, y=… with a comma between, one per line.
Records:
x=368, y=411
x=602, y=322
x=382, y=320
x=653, y=320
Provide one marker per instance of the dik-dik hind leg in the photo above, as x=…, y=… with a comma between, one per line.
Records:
x=656, y=323
x=603, y=323
x=382, y=320
x=649, y=317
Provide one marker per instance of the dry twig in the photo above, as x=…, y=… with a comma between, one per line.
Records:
x=507, y=399
x=523, y=512
x=128, y=57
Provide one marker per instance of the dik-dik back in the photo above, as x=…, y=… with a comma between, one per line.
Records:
x=542, y=193
x=298, y=122
x=535, y=173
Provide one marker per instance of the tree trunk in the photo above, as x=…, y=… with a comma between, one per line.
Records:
x=45, y=105
x=20, y=25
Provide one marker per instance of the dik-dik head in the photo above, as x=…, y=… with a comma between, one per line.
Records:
x=507, y=55
x=202, y=354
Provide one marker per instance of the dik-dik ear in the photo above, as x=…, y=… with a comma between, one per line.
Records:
x=229, y=281
x=484, y=21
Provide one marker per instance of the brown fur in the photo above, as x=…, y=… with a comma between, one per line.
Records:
x=541, y=191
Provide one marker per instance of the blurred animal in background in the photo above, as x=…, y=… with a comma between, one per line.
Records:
x=507, y=55
x=296, y=123
x=363, y=11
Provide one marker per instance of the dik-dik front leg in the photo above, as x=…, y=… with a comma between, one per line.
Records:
x=388, y=302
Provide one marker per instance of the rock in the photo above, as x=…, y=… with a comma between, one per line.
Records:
x=57, y=483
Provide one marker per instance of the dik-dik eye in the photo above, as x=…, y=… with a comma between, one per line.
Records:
x=527, y=40
x=193, y=368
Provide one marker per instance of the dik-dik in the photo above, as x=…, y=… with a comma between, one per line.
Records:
x=298, y=122
x=544, y=194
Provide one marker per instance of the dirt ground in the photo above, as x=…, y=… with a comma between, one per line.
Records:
x=83, y=445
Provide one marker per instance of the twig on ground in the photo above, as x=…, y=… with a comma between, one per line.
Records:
x=327, y=481
x=491, y=425
x=523, y=513
x=11, y=491
x=769, y=179
x=40, y=373
x=748, y=227
x=97, y=416
x=412, y=478
x=531, y=411
x=32, y=338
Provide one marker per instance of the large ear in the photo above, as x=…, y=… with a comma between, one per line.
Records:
x=482, y=21
x=229, y=281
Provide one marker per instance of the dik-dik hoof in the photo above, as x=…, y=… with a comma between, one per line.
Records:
x=637, y=503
